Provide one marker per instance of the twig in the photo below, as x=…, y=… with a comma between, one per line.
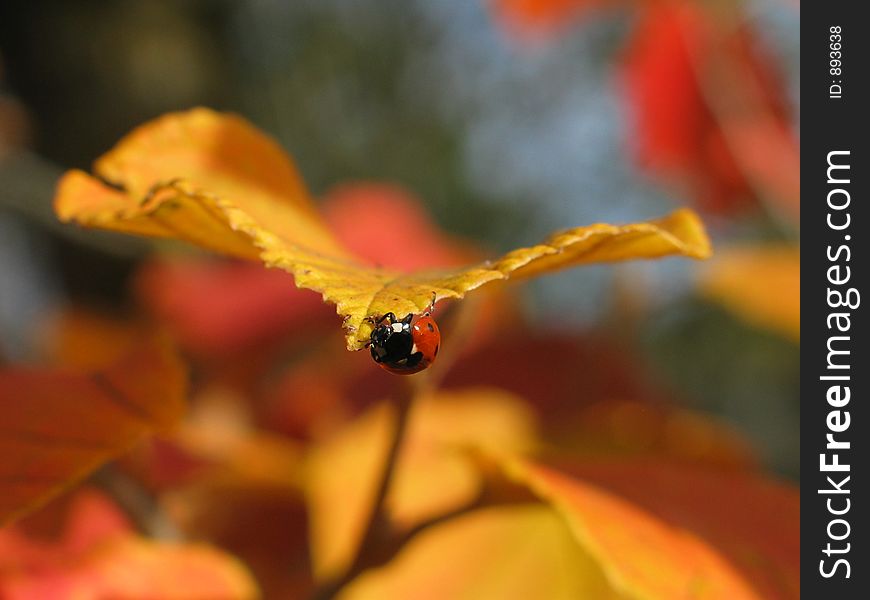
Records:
x=136, y=502
x=378, y=528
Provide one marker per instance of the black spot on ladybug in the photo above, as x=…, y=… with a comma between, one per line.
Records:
x=430, y=327
x=436, y=348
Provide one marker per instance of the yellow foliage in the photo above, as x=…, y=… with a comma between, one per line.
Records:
x=214, y=180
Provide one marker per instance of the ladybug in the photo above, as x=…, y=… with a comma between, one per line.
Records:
x=406, y=346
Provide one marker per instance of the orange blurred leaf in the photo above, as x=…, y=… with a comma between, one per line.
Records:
x=432, y=477
x=98, y=557
x=84, y=339
x=641, y=555
x=219, y=435
x=761, y=284
x=214, y=180
x=57, y=427
x=752, y=520
x=505, y=553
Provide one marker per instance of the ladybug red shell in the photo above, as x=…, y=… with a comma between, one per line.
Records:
x=405, y=346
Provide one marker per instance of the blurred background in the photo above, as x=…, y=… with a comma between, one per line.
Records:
x=506, y=118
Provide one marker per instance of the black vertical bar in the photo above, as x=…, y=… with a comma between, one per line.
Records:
x=835, y=260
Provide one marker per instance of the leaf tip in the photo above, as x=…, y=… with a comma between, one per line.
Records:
x=686, y=225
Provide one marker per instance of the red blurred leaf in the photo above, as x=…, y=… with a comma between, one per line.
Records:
x=261, y=524
x=558, y=374
x=96, y=556
x=222, y=308
x=709, y=110
x=57, y=427
x=388, y=226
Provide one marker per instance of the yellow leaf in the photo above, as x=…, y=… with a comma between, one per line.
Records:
x=214, y=180
x=761, y=284
x=642, y=557
x=505, y=553
x=433, y=474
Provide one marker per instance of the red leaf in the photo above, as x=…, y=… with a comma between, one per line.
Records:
x=708, y=108
x=97, y=556
x=59, y=426
x=389, y=226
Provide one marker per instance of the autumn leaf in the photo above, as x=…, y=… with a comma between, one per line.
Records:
x=353, y=210
x=223, y=308
x=761, y=284
x=642, y=556
x=217, y=308
x=219, y=434
x=221, y=480
x=262, y=525
x=433, y=474
x=503, y=553
x=60, y=426
x=214, y=180
x=83, y=339
x=762, y=542
x=98, y=556
x=708, y=108
x=634, y=529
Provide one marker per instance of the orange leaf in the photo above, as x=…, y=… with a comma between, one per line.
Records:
x=504, y=553
x=59, y=426
x=199, y=176
x=432, y=476
x=96, y=557
x=642, y=556
x=761, y=284
x=757, y=526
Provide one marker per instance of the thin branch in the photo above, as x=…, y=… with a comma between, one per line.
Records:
x=136, y=502
x=378, y=528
